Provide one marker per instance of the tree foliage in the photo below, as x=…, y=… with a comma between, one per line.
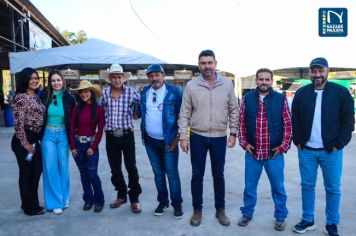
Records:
x=75, y=38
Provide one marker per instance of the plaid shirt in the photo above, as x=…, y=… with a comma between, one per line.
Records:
x=118, y=111
x=262, y=134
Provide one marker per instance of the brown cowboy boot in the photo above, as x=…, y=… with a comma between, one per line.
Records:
x=220, y=214
x=196, y=218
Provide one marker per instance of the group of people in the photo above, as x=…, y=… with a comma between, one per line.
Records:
x=46, y=128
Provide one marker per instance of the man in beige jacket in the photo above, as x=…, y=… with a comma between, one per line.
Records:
x=209, y=105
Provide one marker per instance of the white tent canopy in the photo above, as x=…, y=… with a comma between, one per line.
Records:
x=92, y=54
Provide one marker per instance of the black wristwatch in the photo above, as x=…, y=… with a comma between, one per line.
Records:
x=233, y=134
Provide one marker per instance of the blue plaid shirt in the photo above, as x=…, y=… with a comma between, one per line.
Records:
x=119, y=111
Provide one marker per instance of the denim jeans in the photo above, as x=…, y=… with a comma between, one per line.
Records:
x=55, y=154
x=199, y=146
x=275, y=171
x=164, y=163
x=88, y=168
x=331, y=167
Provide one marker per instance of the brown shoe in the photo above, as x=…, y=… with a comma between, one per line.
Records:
x=220, y=214
x=195, y=220
x=135, y=207
x=118, y=202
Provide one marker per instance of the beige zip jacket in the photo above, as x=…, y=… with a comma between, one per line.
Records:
x=208, y=111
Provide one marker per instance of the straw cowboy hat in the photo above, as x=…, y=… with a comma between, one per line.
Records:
x=114, y=69
x=85, y=84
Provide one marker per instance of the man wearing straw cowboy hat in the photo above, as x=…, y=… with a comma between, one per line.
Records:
x=118, y=101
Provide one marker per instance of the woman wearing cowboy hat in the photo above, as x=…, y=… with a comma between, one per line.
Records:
x=86, y=129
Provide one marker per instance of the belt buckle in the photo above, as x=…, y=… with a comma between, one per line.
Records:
x=82, y=139
x=118, y=133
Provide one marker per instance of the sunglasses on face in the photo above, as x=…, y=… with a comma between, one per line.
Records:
x=54, y=99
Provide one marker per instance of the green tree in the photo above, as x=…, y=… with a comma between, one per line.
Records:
x=75, y=38
x=81, y=36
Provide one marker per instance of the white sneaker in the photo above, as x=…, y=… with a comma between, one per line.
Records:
x=57, y=211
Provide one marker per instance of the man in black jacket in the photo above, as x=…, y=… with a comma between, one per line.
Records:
x=323, y=121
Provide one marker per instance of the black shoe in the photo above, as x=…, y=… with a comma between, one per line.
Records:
x=87, y=206
x=34, y=213
x=303, y=227
x=178, y=213
x=98, y=208
x=160, y=209
x=279, y=225
x=244, y=220
x=331, y=230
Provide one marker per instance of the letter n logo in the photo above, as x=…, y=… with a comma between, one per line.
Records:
x=333, y=22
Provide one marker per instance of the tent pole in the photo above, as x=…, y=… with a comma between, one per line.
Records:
x=13, y=49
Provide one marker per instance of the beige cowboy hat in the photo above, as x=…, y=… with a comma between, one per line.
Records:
x=114, y=69
x=85, y=84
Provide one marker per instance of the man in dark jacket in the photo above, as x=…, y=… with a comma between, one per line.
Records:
x=265, y=132
x=323, y=121
x=160, y=105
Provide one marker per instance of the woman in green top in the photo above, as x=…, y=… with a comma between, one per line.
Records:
x=55, y=147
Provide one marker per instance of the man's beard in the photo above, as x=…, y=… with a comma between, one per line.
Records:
x=207, y=73
x=323, y=80
x=264, y=90
x=155, y=84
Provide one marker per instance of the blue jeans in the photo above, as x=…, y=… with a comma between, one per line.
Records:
x=88, y=168
x=331, y=167
x=199, y=146
x=164, y=163
x=55, y=159
x=275, y=171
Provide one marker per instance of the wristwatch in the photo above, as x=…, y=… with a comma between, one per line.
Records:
x=233, y=134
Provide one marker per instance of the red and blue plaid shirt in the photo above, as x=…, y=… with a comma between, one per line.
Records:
x=119, y=111
x=262, y=134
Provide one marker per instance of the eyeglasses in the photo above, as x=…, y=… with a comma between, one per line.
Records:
x=54, y=98
x=154, y=99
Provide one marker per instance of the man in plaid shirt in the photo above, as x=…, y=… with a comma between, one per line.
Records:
x=119, y=102
x=265, y=132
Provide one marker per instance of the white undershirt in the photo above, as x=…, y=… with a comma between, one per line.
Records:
x=315, y=140
x=153, y=118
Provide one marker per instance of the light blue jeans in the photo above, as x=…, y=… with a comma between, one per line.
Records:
x=275, y=171
x=331, y=167
x=55, y=155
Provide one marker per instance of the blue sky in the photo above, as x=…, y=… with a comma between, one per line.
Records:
x=245, y=34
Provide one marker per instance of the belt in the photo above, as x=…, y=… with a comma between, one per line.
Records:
x=119, y=132
x=313, y=149
x=33, y=129
x=85, y=139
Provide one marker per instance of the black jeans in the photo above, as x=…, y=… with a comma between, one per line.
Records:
x=115, y=148
x=29, y=172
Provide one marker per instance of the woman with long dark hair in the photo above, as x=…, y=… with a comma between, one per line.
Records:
x=55, y=146
x=86, y=129
x=29, y=115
